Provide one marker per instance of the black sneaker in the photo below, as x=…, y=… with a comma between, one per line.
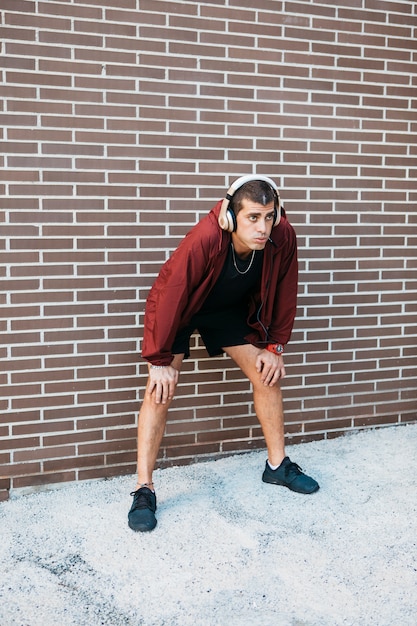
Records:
x=142, y=512
x=289, y=474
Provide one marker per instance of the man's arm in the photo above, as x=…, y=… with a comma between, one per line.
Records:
x=286, y=289
x=181, y=286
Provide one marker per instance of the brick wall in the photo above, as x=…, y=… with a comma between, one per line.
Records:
x=123, y=123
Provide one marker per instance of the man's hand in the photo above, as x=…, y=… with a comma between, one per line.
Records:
x=161, y=383
x=270, y=366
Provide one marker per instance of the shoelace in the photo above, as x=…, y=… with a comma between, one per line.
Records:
x=293, y=467
x=142, y=500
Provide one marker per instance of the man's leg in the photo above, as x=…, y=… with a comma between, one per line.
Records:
x=267, y=401
x=279, y=469
x=151, y=426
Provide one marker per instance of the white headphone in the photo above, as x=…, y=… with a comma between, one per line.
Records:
x=227, y=217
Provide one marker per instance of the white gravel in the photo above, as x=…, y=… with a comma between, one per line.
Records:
x=228, y=549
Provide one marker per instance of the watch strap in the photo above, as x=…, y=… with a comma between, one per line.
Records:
x=275, y=348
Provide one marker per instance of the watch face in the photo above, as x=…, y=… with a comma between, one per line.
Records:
x=279, y=349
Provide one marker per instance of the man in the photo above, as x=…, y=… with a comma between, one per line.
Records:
x=234, y=279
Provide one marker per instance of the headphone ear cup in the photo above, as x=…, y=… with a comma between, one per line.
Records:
x=277, y=209
x=231, y=221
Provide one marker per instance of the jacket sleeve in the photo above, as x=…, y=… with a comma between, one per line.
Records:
x=181, y=282
x=286, y=289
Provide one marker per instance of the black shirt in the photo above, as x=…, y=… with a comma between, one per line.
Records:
x=233, y=287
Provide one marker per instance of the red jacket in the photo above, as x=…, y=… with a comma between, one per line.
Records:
x=187, y=277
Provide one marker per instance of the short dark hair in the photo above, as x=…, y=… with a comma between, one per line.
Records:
x=258, y=191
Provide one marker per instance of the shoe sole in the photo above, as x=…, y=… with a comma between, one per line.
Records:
x=281, y=484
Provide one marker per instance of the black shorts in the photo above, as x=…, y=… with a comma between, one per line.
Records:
x=218, y=330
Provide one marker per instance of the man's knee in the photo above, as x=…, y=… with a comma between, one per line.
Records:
x=266, y=391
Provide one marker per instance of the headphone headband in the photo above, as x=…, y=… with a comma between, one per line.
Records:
x=227, y=219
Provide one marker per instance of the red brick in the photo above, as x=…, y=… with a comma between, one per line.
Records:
x=44, y=453
x=46, y=478
x=16, y=470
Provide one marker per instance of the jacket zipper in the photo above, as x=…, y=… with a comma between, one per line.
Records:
x=268, y=282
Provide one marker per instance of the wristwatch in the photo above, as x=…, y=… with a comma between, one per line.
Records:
x=275, y=348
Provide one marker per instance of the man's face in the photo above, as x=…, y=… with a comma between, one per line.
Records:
x=254, y=225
